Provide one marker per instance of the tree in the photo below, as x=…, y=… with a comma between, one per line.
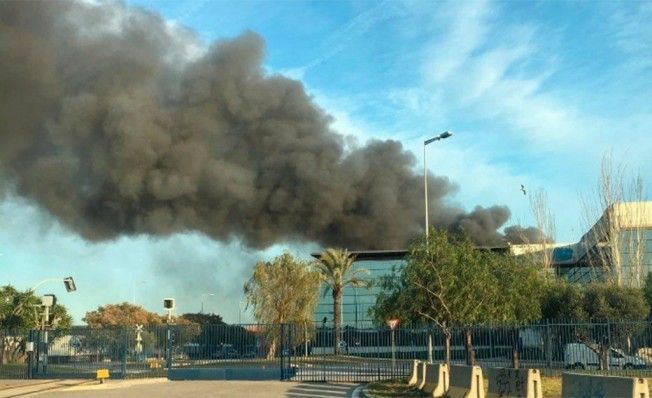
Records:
x=518, y=295
x=203, y=319
x=113, y=321
x=20, y=311
x=448, y=281
x=337, y=272
x=599, y=303
x=607, y=302
x=562, y=300
x=121, y=315
x=284, y=290
x=545, y=222
x=593, y=302
x=615, y=243
x=647, y=290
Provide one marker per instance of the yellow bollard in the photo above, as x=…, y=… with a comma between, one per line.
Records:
x=101, y=374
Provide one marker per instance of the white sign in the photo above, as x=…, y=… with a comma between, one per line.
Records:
x=139, y=339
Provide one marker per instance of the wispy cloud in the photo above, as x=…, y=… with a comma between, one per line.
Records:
x=497, y=77
x=484, y=65
x=634, y=34
x=465, y=29
x=341, y=38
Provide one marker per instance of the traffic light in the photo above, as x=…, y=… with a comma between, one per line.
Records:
x=70, y=284
x=168, y=303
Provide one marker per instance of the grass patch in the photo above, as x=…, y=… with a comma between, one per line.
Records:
x=393, y=388
x=551, y=387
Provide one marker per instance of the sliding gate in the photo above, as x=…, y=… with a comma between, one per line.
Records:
x=363, y=354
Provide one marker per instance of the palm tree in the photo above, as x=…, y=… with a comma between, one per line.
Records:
x=336, y=269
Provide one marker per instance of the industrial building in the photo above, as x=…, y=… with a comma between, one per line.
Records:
x=617, y=246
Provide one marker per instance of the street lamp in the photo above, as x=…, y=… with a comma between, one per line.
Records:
x=68, y=283
x=355, y=303
x=240, y=310
x=441, y=136
x=134, y=290
x=202, y=300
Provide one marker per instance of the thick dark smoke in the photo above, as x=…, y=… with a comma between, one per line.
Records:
x=108, y=125
x=520, y=235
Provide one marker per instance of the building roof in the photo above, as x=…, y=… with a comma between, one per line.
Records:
x=399, y=254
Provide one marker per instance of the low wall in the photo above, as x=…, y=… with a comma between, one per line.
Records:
x=516, y=383
x=583, y=385
x=466, y=382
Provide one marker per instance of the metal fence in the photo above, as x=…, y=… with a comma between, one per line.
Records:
x=306, y=352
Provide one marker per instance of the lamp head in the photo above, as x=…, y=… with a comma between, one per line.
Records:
x=441, y=136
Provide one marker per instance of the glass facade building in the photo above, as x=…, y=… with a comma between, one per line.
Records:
x=356, y=302
x=635, y=247
x=575, y=262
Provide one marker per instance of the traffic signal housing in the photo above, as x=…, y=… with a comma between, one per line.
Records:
x=168, y=303
x=70, y=284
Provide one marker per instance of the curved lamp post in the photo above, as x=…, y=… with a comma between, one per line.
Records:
x=441, y=136
x=202, y=300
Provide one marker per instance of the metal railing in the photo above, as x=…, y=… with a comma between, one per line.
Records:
x=307, y=351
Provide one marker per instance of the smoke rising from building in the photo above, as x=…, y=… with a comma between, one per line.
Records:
x=110, y=126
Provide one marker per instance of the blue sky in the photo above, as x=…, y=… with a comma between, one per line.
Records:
x=535, y=93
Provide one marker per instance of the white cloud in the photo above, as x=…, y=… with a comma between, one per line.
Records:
x=500, y=75
x=341, y=38
x=182, y=266
x=634, y=34
x=464, y=28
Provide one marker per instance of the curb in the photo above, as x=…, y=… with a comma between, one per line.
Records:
x=363, y=392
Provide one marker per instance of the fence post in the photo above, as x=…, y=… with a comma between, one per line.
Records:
x=125, y=348
x=393, y=354
x=429, y=345
x=31, y=354
x=305, y=339
x=548, y=345
x=282, y=350
x=168, y=346
x=608, y=342
x=292, y=350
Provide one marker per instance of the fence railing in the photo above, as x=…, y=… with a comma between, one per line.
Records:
x=308, y=351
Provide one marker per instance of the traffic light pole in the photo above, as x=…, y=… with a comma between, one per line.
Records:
x=46, y=318
x=49, y=300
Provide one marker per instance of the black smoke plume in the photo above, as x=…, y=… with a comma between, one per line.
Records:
x=106, y=122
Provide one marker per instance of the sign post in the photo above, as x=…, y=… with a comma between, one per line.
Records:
x=47, y=301
x=393, y=324
x=139, y=345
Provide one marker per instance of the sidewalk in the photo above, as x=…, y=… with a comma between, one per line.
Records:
x=202, y=388
x=16, y=388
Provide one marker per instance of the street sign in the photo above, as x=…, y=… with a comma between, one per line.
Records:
x=393, y=323
x=49, y=300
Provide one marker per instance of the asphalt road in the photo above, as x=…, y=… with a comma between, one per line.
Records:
x=195, y=389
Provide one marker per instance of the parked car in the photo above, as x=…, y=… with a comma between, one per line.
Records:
x=193, y=350
x=582, y=356
x=225, y=351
